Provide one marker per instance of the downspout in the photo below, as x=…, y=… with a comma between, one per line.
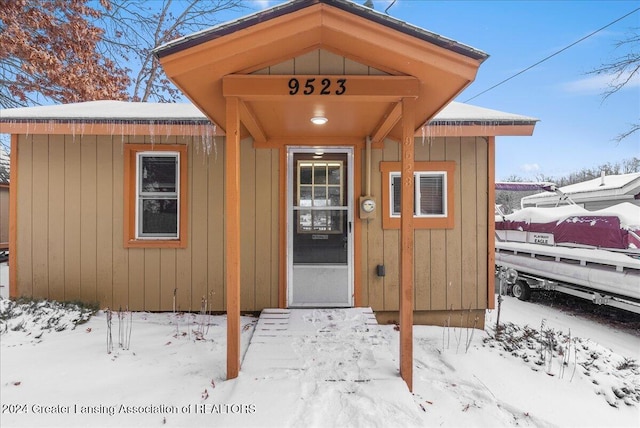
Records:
x=367, y=184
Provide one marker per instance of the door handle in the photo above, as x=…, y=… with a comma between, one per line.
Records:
x=349, y=227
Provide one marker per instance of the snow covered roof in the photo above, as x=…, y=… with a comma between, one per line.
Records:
x=607, y=186
x=107, y=111
x=122, y=111
x=460, y=112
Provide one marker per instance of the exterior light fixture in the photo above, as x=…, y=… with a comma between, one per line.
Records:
x=319, y=120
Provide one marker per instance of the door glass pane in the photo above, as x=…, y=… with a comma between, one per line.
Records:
x=320, y=221
x=335, y=196
x=320, y=173
x=305, y=173
x=320, y=196
x=335, y=173
x=306, y=196
x=305, y=220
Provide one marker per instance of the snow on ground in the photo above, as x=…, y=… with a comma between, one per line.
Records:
x=551, y=369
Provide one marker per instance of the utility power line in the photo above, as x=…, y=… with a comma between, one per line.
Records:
x=552, y=55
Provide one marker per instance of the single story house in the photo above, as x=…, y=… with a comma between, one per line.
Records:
x=280, y=186
x=592, y=195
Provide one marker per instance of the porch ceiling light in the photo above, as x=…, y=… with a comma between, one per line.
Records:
x=319, y=120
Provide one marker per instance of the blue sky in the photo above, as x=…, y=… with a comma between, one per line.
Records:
x=577, y=128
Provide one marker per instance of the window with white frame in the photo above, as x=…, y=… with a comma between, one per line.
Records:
x=157, y=195
x=430, y=194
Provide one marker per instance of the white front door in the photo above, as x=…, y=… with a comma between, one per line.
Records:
x=320, y=227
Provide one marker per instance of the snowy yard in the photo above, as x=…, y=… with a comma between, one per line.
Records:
x=550, y=369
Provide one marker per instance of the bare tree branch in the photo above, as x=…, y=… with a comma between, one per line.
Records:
x=622, y=70
x=134, y=27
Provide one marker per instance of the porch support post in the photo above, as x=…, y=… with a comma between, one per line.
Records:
x=406, y=241
x=232, y=233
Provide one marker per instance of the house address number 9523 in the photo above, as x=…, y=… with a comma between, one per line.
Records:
x=323, y=86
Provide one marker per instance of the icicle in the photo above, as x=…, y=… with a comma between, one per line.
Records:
x=152, y=135
x=215, y=142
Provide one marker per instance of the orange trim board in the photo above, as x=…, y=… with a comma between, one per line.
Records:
x=343, y=87
x=130, y=181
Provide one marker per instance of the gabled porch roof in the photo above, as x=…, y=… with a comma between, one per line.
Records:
x=220, y=62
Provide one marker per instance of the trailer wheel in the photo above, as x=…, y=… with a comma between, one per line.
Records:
x=521, y=290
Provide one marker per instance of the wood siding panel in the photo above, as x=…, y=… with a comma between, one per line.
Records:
x=320, y=61
x=355, y=68
x=24, y=219
x=262, y=224
x=184, y=289
x=39, y=214
x=454, y=236
x=167, y=279
x=391, y=245
x=198, y=240
x=4, y=215
x=136, y=263
x=55, y=217
x=331, y=63
x=373, y=248
x=285, y=67
x=152, y=279
x=216, y=230
x=275, y=227
x=248, y=249
x=308, y=63
x=80, y=213
x=469, y=214
x=88, y=219
x=422, y=249
x=120, y=255
x=438, y=243
x=72, y=281
x=105, y=220
x=482, y=223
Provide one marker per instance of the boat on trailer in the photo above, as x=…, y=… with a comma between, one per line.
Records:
x=593, y=255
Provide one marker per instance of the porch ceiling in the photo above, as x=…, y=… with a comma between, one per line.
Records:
x=198, y=66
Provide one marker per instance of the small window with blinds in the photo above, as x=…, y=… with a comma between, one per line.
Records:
x=430, y=196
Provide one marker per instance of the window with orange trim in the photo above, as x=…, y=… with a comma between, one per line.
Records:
x=155, y=195
x=433, y=195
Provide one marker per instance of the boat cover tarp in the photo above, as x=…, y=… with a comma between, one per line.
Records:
x=575, y=225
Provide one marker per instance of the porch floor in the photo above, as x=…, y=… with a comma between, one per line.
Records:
x=313, y=367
